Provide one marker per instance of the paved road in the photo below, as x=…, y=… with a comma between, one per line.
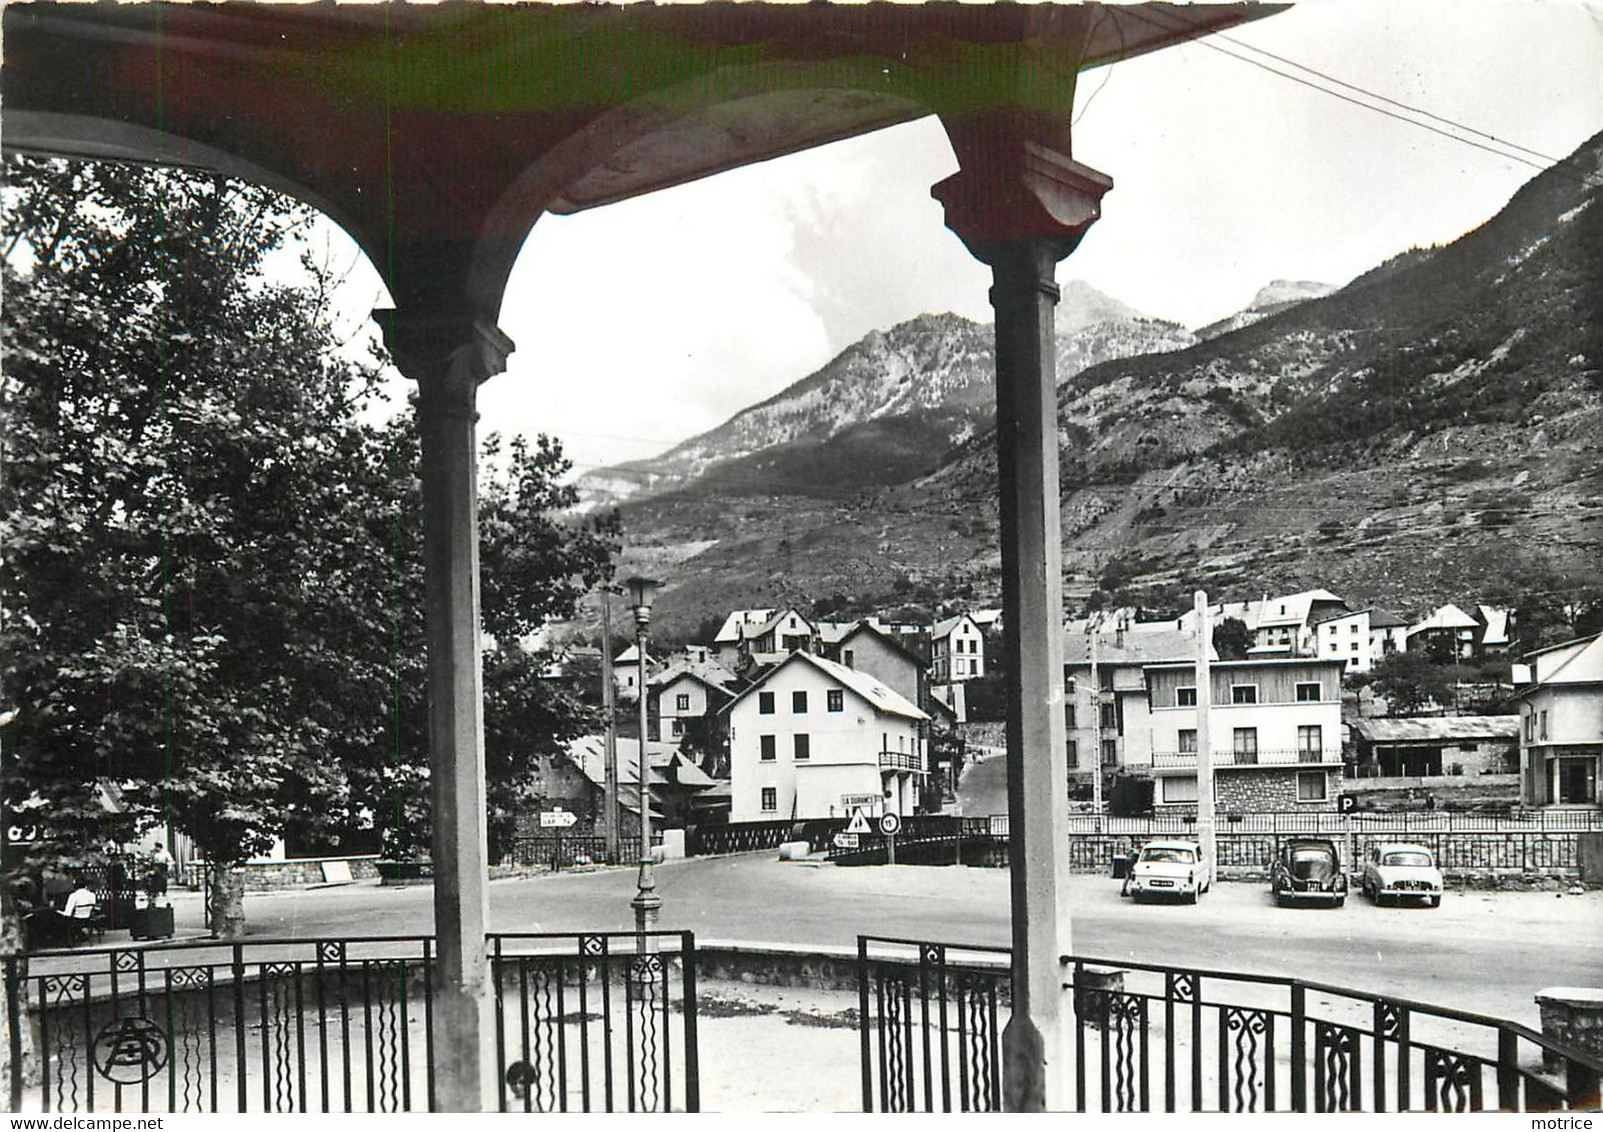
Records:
x=1487, y=952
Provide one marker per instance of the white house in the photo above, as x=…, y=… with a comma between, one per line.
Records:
x=626, y=673
x=1343, y=636
x=1388, y=633
x=815, y=739
x=1561, y=723
x=687, y=690
x=957, y=650
x=764, y=635
x=1283, y=626
x=1449, y=629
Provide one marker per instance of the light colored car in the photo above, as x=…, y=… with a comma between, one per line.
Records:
x=1170, y=868
x=1398, y=871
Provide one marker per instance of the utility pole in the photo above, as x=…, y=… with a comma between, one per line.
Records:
x=1092, y=624
x=609, y=709
x=1205, y=817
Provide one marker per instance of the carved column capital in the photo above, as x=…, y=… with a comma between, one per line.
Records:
x=448, y=353
x=1011, y=188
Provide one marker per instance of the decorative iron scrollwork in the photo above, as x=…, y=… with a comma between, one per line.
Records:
x=1450, y=1080
x=1245, y=1027
x=934, y=954
x=592, y=945
x=125, y=961
x=1335, y=1067
x=1391, y=1020
x=1182, y=987
x=61, y=989
x=331, y=950
x=1124, y=1018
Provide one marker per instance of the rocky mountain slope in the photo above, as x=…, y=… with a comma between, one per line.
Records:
x=888, y=408
x=1432, y=430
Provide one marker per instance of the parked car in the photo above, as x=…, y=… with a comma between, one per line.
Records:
x=1308, y=868
x=1398, y=871
x=1170, y=868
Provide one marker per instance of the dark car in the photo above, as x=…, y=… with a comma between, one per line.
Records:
x=1308, y=868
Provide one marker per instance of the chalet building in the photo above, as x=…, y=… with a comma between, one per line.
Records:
x=1276, y=722
x=868, y=648
x=815, y=739
x=1284, y=626
x=763, y=636
x=575, y=781
x=688, y=690
x=1496, y=626
x=1430, y=746
x=1447, y=632
x=1560, y=690
x=1276, y=728
x=957, y=650
x=626, y=673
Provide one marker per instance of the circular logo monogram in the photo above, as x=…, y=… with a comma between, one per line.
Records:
x=130, y=1050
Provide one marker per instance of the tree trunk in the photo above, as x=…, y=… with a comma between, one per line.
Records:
x=228, y=902
x=14, y=960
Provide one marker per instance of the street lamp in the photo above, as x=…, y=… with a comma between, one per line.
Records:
x=647, y=904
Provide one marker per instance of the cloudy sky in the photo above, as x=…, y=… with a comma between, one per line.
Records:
x=642, y=323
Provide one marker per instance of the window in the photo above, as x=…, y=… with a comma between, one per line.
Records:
x=1353, y=647
x=1074, y=753
x=1530, y=726
x=1245, y=744
x=803, y=749
x=1310, y=743
x=1110, y=716
x=770, y=799
x=1311, y=786
x=846, y=657
x=798, y=703
x=765, y=703
x=1541, y=725
x=1185, y=697
x=1068, y=684
x=681, y=702
x=1188, y=740
x=1243, y=693
x=677, y=728
x=1353, y=628
x=1180, y=789
x=1308, y=693
x=1068, y=716
x=835, y=700
x=1110, y=752
x=767, y=744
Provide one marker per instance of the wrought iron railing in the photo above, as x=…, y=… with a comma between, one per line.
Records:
x=901, y=760
x=566, y=851
x=584, y=1022
x=587, y=1023
x=1329, y=821
x=1155, y=1038
x=930, y=1019
x=1262, y=756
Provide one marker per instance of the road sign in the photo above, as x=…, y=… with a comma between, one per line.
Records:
x=846, y=841
x=557, y=819
x=889, y=824
x=858, y=824
x=856, y=801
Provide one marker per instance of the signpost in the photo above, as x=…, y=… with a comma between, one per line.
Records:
x=557, y=819
x=888, y=825
x=846, y=841
x=858, y=824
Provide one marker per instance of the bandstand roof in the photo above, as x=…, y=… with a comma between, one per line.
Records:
x=437, y=134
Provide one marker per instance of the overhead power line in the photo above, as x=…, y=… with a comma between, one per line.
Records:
x=1562, y=168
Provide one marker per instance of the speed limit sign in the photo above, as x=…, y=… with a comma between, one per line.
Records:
x=889, y=824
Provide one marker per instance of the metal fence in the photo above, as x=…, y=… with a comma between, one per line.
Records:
x=1331, y=822
x=583, y=1022
x=1153, y=1038
x=565, y=852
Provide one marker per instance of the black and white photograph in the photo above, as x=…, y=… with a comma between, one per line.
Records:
x=801, y=557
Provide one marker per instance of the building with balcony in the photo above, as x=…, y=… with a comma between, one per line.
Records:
x=689, y=690
x=812, y=738
x=1560, y=692
x=1106, y=717
x=1276, y=733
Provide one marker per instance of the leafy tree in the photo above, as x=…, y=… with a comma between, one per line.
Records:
x=1232, y=639
x=213, y=582
x=1410, y=680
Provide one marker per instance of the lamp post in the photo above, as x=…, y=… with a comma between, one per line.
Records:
x=647, y=904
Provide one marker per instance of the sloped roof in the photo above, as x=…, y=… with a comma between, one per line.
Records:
x=735, y=625
x=773, y=621
x=1496, y=621
x=668, y=766
x=945, y=628
x=1380, y=619
x=708, y=672
x=1574, y=662
x=630, y=655
x=1143, y=648
x=868, y=626
x=877, y=695
x=1297, y=607
x=1445, y=729
x=1448, y=616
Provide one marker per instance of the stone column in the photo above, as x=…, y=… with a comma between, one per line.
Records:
x=448, y=357
x=1021, y=207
